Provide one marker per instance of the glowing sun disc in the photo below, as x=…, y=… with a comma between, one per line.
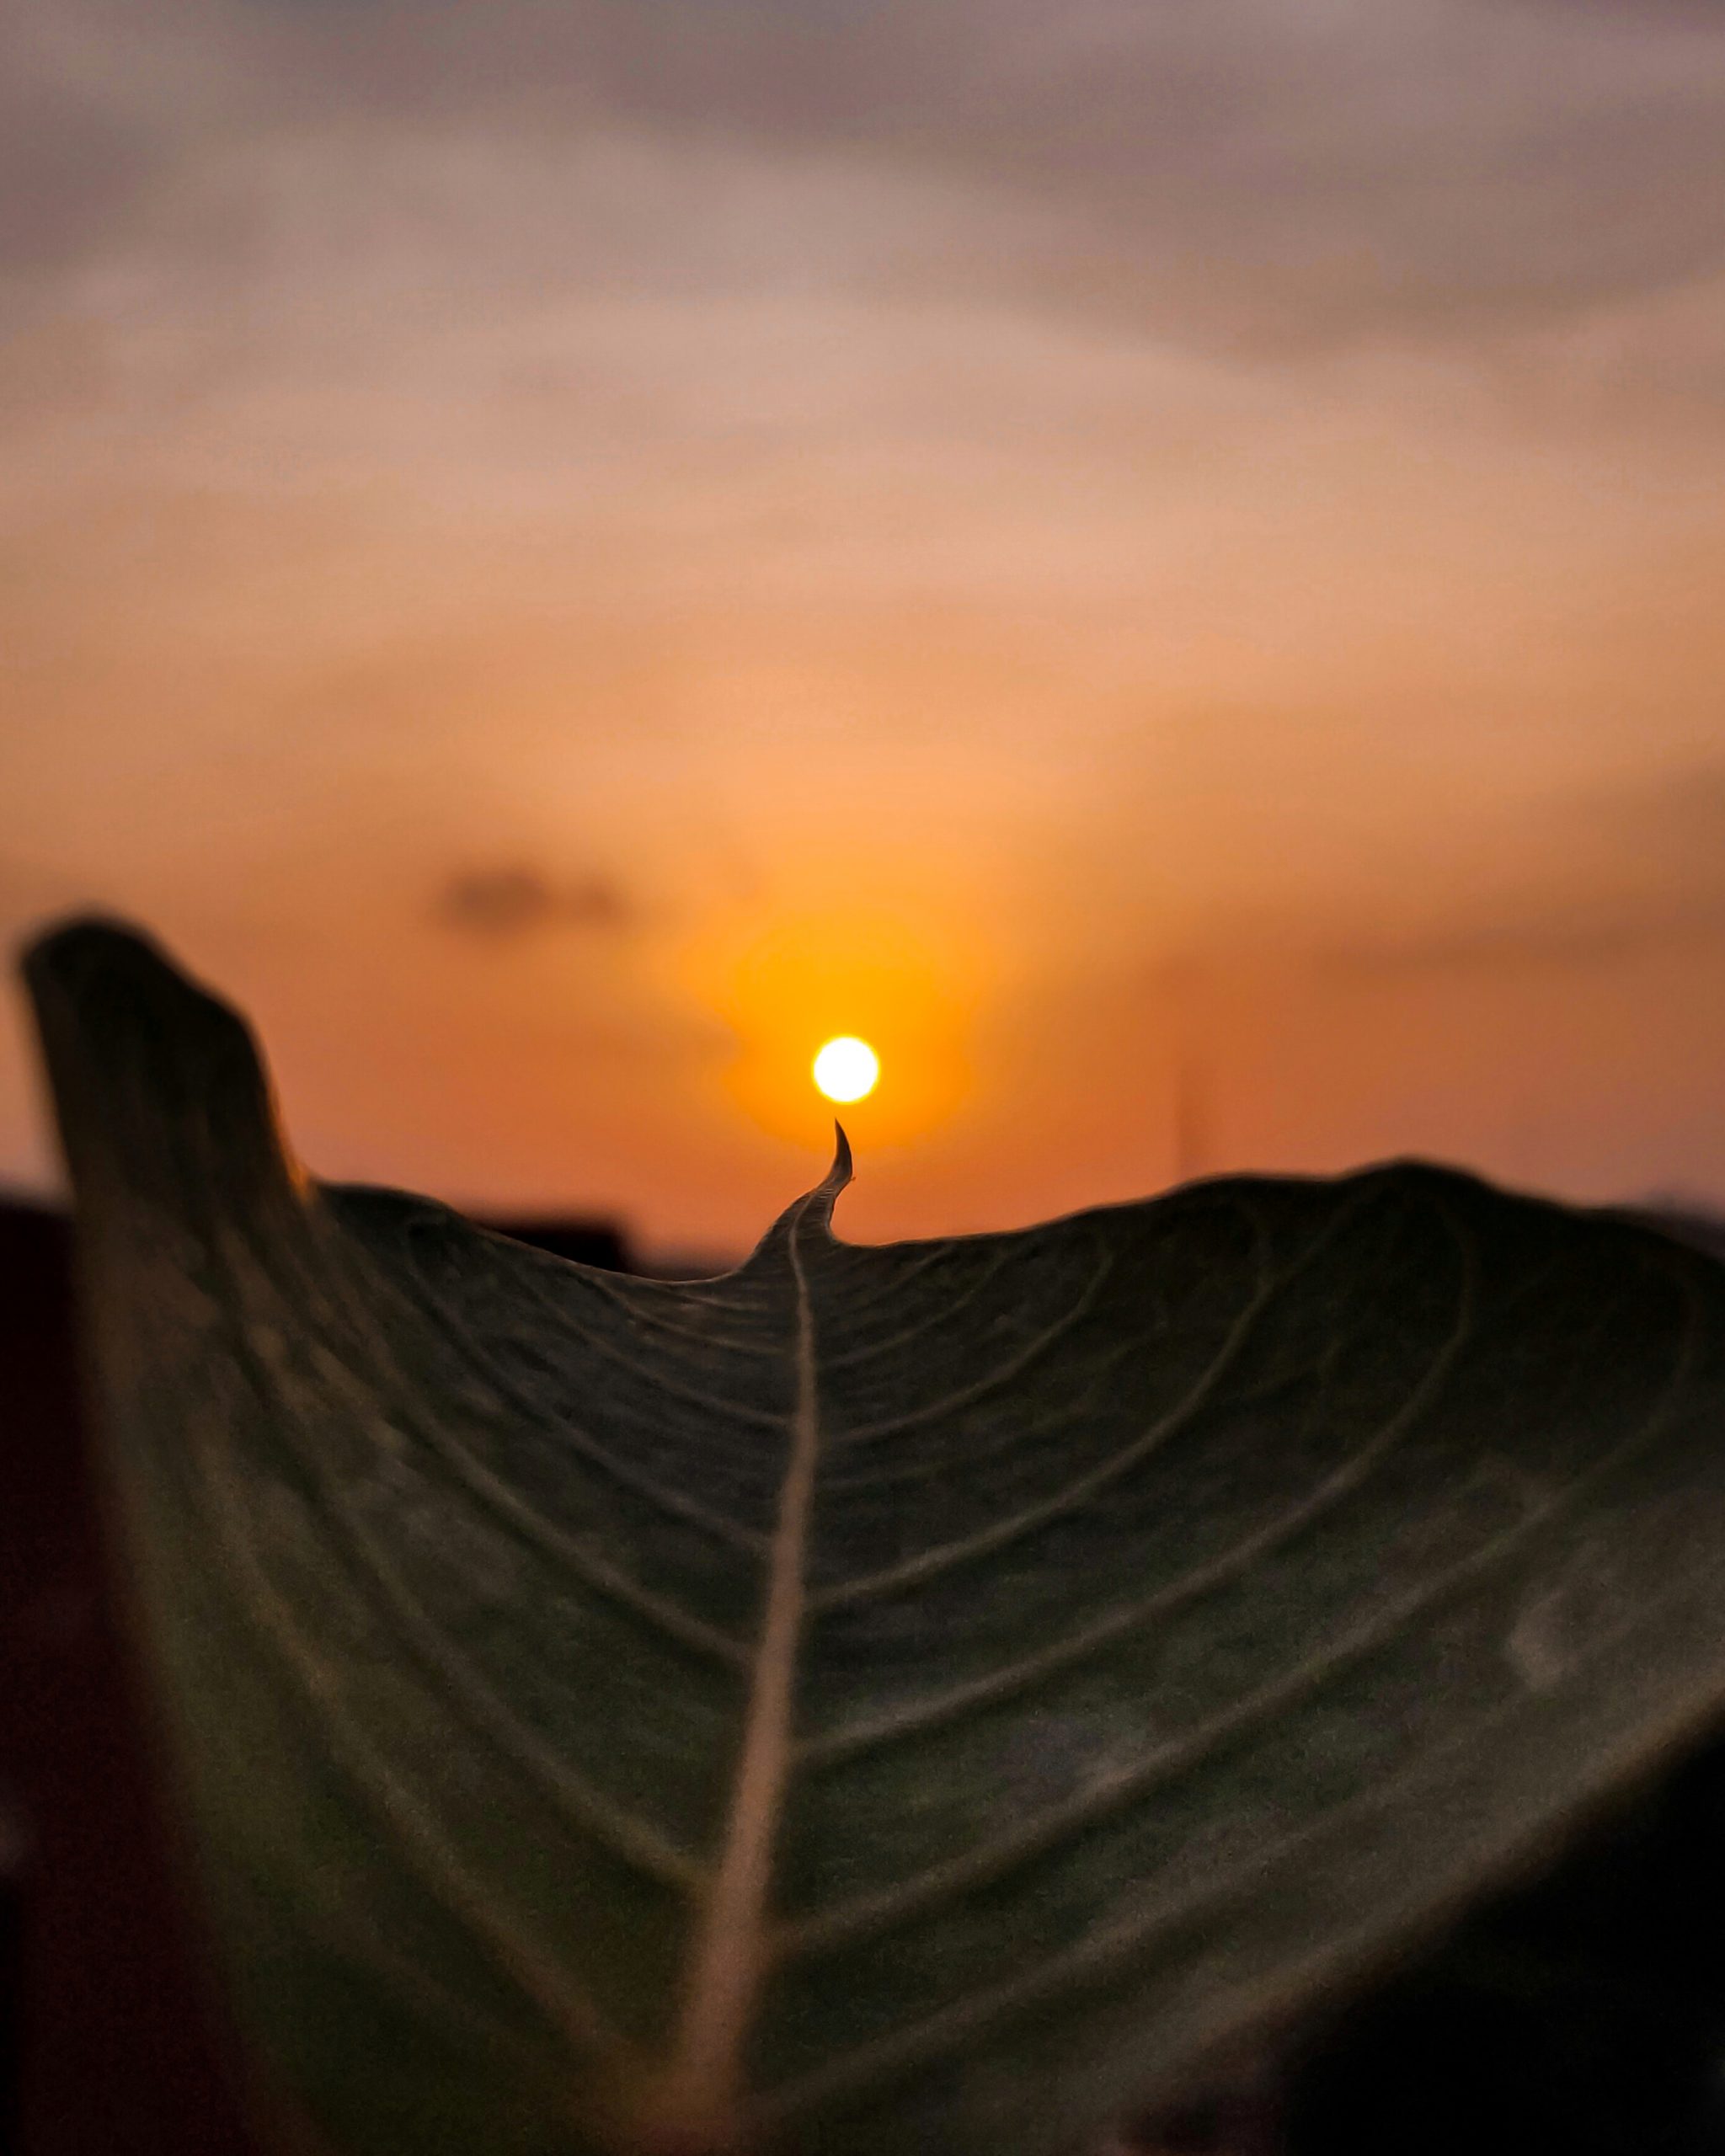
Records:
x=846, y=1068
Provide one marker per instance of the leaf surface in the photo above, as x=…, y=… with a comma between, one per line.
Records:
x=936, y=1691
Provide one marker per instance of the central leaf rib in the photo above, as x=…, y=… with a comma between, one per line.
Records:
x=702, y=2093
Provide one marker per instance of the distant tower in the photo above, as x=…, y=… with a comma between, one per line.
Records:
x=1190, y=1135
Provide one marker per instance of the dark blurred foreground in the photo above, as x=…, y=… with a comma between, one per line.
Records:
x=110, y=2042
x=1582, y=2016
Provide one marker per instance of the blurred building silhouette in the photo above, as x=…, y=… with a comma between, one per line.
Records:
x=602, y=1243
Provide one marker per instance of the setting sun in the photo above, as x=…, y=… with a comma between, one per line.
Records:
x=846, y=1068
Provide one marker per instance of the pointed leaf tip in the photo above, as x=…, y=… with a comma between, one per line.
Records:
x=816, y=1209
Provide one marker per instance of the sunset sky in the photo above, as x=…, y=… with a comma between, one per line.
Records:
x=561, y=553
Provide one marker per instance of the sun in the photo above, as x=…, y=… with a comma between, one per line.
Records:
x=846, y=1068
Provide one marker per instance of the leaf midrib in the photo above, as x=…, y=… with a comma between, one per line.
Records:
x=701, y=2093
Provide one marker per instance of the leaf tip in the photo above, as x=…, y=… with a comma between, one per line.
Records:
x=818, y=1206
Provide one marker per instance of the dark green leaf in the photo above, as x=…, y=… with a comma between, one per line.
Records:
x=920, y=1697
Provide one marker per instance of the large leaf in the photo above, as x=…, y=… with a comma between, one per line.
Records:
x=921, y=1696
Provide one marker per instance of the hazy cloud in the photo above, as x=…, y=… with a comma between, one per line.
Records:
x=510, y=900
x=1680, y=821
x=73, y=175
x=1511, y=945
x=1242, y=170
x=1651, y=880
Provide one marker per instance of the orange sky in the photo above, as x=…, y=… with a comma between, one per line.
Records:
x=560, y=556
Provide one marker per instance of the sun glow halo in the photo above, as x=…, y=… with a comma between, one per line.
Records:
x=846, y=1068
